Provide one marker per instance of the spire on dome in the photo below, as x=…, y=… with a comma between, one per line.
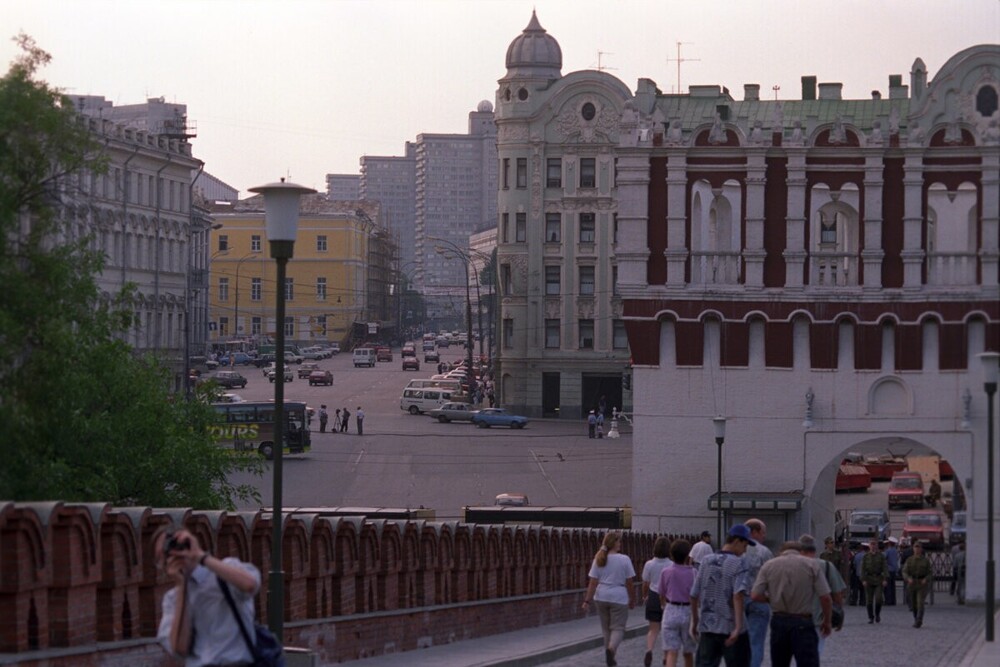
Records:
x=534, y=53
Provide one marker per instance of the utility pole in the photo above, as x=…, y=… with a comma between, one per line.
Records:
x=680, y=60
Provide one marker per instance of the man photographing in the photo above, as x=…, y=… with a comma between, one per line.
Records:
x=197, y=622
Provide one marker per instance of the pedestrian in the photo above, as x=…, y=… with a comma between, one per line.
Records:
x=758, y=613
x=892, y=562
x=591, y=425
x=918, y=575
x=831, y=553
x=857, y=589
x=701, y=549
x=197, y=621
x=651, y=592
x=336, y=421
x=600, y=424
x=345, y=420
x=359, y=417
x=789, y=583
x=958, y=573
x=602, y=405
x=905, y=551
x=675, y=598
x=837, y=588
x=324, y=416
x=611, y=589
x=874, y=574
x=718, y=598
x=934, y=493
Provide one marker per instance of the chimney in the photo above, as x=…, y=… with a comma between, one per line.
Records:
x=751, y=92
x=830, y=91
x=808, y=88
x=876, y=95
x=897, y=91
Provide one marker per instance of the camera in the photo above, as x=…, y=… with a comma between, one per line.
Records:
x=172, y=544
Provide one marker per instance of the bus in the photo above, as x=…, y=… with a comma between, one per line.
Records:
x=567, y=517
x=249, y=426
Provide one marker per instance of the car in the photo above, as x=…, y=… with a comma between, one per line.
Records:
x=383, y=353
x=411, y=364
x=906, y=488
x=957, y=532
x=334, y=348
x=926, y=526
x=313, y=354
x=453, y=412
x=236, y=358
x=431, y=356
x=230, y=379
x=320, y=377
x=230, y=397
x=408, y=351
x=293, y=358
x=428, y=346
x=511, y=500
x=273, y=373
x=498, y=417
x=306, y=368
x=263, y=361
x=866, y=525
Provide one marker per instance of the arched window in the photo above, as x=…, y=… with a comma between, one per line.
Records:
x=986, y=101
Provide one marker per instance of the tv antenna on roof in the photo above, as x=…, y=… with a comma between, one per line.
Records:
x=600, y=67
x=680, y=60
x=775, y=88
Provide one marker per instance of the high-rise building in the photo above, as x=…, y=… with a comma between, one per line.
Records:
x=343, y=187
x=391, y=181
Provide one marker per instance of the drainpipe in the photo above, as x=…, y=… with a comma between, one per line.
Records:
x=187, y=282
x=157, y=324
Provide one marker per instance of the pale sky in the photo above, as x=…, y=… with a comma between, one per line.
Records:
x=306, y=87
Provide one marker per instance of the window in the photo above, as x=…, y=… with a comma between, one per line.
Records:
x=290, y=327
x=986, y=101
x=223, y=289
x=588, y=111
x=552, y=279
x=255, y=326
x=522, y=172
x=504, y=226
x=255, y=243
x=587, y=228
x=223, y=326
x=827, y=229
x=521, y=227
x=506, y=285
x=289, y=289
x=508, y=333
x=223, y=242
x=255, y=289
x=553, y=172
x=586, y=334
x=588, y=172
x=620, y=337
x=321, y=289
x=505, y=173
x=586, y=281
x=614, y=281
x=551, y=334
x=321, y=243
x=553, y=227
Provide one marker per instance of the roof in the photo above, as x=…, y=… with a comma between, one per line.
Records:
x=315, y=204
x=782, y=501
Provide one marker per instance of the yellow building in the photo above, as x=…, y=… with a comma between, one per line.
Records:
x=336, y=282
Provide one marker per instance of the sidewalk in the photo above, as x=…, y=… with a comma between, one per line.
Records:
x=952, y=636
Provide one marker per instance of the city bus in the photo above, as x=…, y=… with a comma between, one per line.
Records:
x=249, y=426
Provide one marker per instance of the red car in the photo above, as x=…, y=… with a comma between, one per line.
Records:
x=383, y=353
x=321, y=377
x=411, y=364
x=906, y=488
x=926, y=526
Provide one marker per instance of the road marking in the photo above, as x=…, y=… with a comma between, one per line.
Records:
x=545, y=475
x=361, y=455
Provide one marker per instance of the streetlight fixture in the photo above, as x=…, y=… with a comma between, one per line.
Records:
x=720, y=437
x=991, y=371
x=281, y=220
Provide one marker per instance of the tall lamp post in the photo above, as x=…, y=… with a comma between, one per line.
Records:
x=991, y=370
x=720, y=437
x=462, y=255
x=281, y=219
x=236, y=304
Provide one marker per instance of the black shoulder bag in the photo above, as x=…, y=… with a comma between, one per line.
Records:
x=267, y=652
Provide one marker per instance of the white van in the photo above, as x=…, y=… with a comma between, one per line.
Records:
x=416, y=401
x=364, y=356
x=450, y=384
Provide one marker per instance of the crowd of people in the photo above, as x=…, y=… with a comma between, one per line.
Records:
x=707, y=605
x=341, y=420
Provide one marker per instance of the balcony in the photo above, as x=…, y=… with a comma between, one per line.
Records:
x=947, y=269
x=833, y=269
x=715, y=268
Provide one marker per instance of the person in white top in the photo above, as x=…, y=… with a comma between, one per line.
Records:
x=611, y=589
x=702, y=548
x=651, y=592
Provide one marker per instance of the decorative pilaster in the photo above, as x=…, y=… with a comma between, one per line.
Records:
x=912, y=253
x=753, y=251
x=873, y=252
x=795, y=246
x=631, y=250
x=989, y=253
x=676, y=252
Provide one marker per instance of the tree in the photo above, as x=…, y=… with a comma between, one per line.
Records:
x=83, y=418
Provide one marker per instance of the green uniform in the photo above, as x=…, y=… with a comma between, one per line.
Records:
x=874, y=574
x=918, y=574
x=834, y=558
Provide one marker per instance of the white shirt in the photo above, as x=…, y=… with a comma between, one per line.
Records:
x=700, y=550
x=611, y=579
x=217, y=639
x=651, y=572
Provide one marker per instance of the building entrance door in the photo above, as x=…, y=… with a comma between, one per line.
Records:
x=594, y=387
x=550, y=394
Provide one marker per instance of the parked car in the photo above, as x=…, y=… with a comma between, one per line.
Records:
x=498, y=417
x=926, y=526
x=866, y=525
x=906, y=489
x=238, y=359
x=431, y=356
x=411, y=364
x=263, y=361
x=334, y=348
x=273, y=373
x=293, y=357
x=306, y=368
x=230, y=397
x=319, y=377
x=957, y=532
x=453, y=412
x=383, y=353
x=230, y=379
x=313, y=354
x=511, y=500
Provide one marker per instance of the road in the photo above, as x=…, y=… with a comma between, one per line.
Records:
x=411, y=461
x=877, y=498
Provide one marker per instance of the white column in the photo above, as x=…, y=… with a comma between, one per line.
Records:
x=795, y=220
x=676, y=252
x=753, y=251
x=632, y=249
x=989, y=253
x=873, y=253
x=913, y=215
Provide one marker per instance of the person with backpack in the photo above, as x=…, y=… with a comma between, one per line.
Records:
x=837, y=588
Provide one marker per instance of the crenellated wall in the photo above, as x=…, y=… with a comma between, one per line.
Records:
x=79, y=583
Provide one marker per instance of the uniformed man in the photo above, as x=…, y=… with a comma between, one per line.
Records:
x=831, y=553
x=917, y=573
x=874, y=574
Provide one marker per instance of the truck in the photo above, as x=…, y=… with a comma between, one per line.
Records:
x=929, y=467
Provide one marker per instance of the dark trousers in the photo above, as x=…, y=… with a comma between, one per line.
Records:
x=712, y=650
x=322, y=426
x=794, y=636
x=890, y=590
x=361, y=427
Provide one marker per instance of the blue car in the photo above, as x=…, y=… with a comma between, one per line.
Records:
x=498, y=417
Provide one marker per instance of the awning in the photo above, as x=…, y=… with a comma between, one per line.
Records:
x=775, y=501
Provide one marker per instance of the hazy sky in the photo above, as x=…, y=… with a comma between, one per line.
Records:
x=306, y=87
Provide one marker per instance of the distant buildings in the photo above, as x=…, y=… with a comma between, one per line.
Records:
x=343, y=187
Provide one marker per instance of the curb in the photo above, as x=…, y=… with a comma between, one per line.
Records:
x=564, y=651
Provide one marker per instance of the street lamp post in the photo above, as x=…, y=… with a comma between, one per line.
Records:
x=236, y=304
x=991, y=370
x=464, y=256
x=281, y=219
x=720, y=437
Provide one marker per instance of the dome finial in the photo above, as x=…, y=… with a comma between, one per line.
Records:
x=534, y=52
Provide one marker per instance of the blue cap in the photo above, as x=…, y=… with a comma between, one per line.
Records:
x=742, y=532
